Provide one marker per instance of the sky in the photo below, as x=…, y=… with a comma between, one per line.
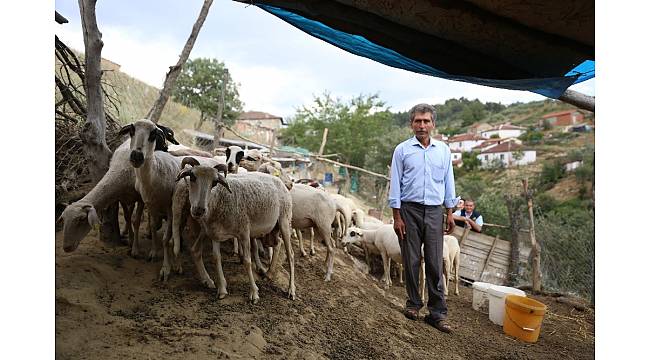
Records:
x=279, y=67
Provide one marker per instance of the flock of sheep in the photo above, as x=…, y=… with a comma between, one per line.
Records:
x=243, y=196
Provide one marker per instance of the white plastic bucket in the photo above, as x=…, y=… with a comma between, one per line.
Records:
x=480, y=296
x=497, y=295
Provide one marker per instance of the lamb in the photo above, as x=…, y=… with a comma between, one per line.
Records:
x=314, y=208
x=118, y=183
x=360, y=220
x=245, y=206
x=385, y=239
x=450, y=261
x=155, y=174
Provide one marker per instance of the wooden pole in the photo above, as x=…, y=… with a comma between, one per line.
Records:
x=580, y=100
x=384, y=197
x=218, y=121
x=489, y=256
x=170, y=79
x=93, y=132
x=535, y=251
x=323, y=142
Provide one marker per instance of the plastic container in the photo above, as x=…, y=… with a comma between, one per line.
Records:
x=480, y=296
x=497, y=295
x=523, y=317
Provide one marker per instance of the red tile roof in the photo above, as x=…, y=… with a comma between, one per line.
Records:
x=465, y=137
x=504, y=147
x=558, y=113
x=257, y=115
x=505, y=127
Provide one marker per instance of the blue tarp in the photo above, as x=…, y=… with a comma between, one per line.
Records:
x=552, y=87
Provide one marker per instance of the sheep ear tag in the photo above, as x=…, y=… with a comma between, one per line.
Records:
x=276, y=172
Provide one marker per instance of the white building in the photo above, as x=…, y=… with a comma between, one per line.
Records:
x=456, y=158
x=465, y=142
x=490, y=143
x=506, y=154
x=504, y=131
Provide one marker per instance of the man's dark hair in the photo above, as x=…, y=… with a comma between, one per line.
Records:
x=469, y=200
x=422, y=109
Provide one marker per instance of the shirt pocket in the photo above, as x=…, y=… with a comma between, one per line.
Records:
x=437, y=169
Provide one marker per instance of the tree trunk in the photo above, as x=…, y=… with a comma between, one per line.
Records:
x=170, y=79
x=201, y=118
x=535, y=251
x=514, y=213
x=93, y=132
x=218, y=121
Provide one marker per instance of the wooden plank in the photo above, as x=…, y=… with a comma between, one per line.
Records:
x=489, y=255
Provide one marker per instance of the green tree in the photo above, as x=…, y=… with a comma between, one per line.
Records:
x=354, y=129
x=199, y=87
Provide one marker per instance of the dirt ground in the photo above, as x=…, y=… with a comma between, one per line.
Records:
x=111, y=306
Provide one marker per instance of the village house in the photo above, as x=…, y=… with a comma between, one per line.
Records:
x=456, y=158
x=259, y=126
x=465, y=142
x=477, y=128
x=563, y=118
x=503, y=131
x=506, y=154
x=490, y=143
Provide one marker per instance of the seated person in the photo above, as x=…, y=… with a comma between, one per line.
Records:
x=469, y=216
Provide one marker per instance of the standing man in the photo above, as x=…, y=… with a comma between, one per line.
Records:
x=469, y=216
x=421, y=191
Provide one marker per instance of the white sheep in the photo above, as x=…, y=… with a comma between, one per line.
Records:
x=245, y=206
x=360, y=220
x=313, y=208
x=386, y=242
x=155, y=175
x=234, y=155
x=344, y=206
x=117, y=184
x=450, y=261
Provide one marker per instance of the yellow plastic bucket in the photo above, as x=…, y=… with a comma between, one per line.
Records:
x=523, y=317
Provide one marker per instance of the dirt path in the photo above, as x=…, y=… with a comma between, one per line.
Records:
x=111, y=306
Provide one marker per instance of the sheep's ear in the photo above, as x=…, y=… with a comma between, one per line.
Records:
x=239, y=156
x=127, y=129
x=223, y=168
x=168, y=133
x=93, y=219
x=188, y=160
x=222, y=180
x=184, y=173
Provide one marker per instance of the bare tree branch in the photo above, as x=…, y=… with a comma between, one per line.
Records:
x=170, y=79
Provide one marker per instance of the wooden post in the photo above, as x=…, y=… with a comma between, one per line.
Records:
x=464, y=236
x=218, y=121
x=170, y=79
x=323, y=142
x=535, y=251
x=93, y=132
x=487, y=259
x=513, y=205
x=384, y=197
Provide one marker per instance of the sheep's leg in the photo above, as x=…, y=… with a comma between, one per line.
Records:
x=196, y=250
x=285, y=228
x=300, y=244
x=385, y=260
x=153, y=235
x=445, y=276
x=235, y=247
x=325, y=234
x=312, y=250
x=216, y=253
x=127, y=210
x=401, y=274
x=166, y=267
x=423, y=285
x=255, y=246
x=177, y=264
x=246, y=250
x=139, y=208
x=456, y=269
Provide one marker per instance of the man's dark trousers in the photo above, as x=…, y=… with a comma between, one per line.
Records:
x=423, y=225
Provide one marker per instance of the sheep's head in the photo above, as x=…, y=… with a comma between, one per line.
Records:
x=234, y=154
x=146, y=137
x=78, y=218
x=268, y=168
x=353, y=236
x=201, y=181
x=252, y=160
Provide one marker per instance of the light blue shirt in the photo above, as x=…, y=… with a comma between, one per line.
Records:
x=422, y=175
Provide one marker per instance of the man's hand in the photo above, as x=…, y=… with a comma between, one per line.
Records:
x=400, y=228
x=450, y=223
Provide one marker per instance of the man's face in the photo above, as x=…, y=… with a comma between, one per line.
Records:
x=422, y=125
x=469, y=206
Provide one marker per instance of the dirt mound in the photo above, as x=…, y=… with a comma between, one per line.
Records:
x=111, y=306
